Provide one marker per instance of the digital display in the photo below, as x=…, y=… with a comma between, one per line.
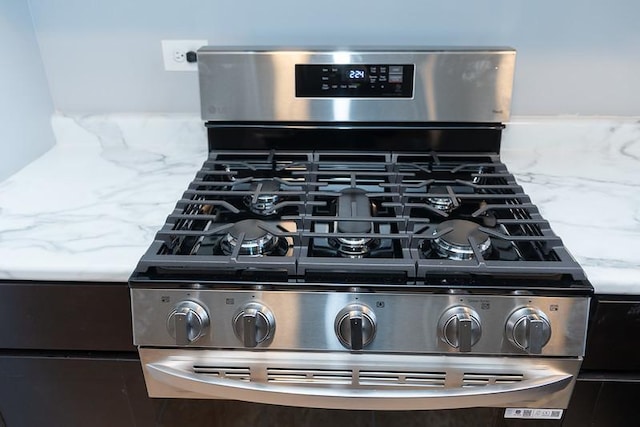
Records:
x=356, y=74
x=354, y=80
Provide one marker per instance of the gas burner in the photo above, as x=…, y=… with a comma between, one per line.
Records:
x=444, y=204
x=353, y=202
x=455, y=244
x=442, y=198
x=353, y=247
x=264, y=201
x=257, y=240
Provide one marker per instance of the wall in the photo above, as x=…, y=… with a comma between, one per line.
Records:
x=25, y=101
x=575, y=56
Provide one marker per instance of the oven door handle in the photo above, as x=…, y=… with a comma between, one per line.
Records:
x=173, y=374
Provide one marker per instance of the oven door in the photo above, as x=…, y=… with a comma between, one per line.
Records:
x=360, y=381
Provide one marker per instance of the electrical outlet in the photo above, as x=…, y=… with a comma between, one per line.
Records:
x=174, y=54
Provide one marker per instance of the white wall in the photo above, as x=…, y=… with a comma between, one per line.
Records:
x=574, y=56
x=25, y=101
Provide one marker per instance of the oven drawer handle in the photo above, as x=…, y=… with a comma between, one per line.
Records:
x=175, y=375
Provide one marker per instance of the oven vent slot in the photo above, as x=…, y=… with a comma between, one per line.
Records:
x=229, y=372
x=294, y=376
x=397, y=378
x=479, y=379
x=309, y=376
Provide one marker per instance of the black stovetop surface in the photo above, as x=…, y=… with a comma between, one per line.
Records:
x=348, y=218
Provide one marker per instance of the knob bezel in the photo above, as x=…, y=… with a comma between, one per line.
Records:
x=197, y=321
x=518, y=321
x=264, y=316
x=343, y=323
x=447, y=325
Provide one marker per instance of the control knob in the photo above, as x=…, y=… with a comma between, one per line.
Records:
x=529, y=329
x=355, y=326
x=187, y=322
x=254, y=324
x=459, y=327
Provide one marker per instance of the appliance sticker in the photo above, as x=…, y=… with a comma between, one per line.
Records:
x=534, y=414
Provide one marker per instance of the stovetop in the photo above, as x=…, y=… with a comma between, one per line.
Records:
x=352, y=218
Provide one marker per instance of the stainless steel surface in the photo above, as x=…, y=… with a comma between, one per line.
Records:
x=187, y=322
x=464, y=85
x=254, y=324
x=529, y=328
x=306, y=319
x=460, y=328
x=360, y=381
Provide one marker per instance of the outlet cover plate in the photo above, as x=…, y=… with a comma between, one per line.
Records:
x=174, y=54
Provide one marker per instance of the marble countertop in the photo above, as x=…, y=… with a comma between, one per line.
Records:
x=89, y=208
x=584, y=176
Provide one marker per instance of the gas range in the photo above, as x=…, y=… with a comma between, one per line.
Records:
x=353, y=241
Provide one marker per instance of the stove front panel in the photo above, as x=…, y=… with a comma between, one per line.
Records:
x=392, y=322
x=316, y=85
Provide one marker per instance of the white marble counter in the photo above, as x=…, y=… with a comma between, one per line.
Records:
x=584, y=175
x=89, y=208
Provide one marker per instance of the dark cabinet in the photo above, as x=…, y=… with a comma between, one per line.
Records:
x=614, y=333
x=65, y=316
x=66, y=391
x=604, y=402
x=67, y=359
x=606, y=394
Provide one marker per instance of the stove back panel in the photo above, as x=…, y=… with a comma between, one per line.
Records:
x=467, y=85
x=469, y=137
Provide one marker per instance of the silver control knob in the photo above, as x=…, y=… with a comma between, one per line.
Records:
x=459, y=327
x=187, y=322
x=254, y=324
x=529, y=329
x=355, y=326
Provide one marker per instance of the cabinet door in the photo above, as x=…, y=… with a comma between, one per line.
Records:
x=70, y=391
x=604, y=402
x=65, y=316
x=612, y=340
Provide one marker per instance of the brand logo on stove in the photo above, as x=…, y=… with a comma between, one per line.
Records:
x=216, y=109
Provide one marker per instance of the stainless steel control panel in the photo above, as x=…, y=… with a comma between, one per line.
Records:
x=249, y=84
x=368, y=322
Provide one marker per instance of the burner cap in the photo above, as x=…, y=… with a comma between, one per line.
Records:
x=353, y=202
x=455, y=244
x=257, y=240
x=263, y=201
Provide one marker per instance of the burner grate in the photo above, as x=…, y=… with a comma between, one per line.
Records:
x=339, y=216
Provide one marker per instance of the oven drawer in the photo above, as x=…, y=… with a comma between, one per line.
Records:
x=360, y=381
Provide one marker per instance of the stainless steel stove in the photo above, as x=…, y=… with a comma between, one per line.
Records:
x=353, y=241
